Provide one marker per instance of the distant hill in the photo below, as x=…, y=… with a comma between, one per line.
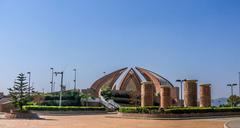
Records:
x=219, y=101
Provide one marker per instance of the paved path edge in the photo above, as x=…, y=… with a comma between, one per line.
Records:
x=226, y=124
x=235, y=123
x=183, y=118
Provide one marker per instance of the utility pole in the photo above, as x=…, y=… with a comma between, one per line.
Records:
x=54, y=83
x=29, y=83
x=239, y=82
x=181, y=84
x=32, y=85
x=52, y=80
x=231, y=86
x=75, y=79
x=61, y=87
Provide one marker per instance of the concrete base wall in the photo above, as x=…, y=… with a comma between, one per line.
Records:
x=6, y=107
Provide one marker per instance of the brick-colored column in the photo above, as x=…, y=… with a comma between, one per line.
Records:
x=190, y=93
x=205, y=95
x=175, y=96
x=147, y=94
x=165, y=96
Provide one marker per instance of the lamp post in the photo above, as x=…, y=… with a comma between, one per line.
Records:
x=61, y=87
x=231, y=86
x=75, y=79
x=239, y=82
x=181, y=84
x=29, y=83
x=52, y=79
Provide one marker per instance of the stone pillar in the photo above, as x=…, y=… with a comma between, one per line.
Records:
x=205, y=95
x=175, y=96
x=190, y=93
x=165, y=96
x=147, y=94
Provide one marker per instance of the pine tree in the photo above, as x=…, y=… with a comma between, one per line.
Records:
x=20, y=92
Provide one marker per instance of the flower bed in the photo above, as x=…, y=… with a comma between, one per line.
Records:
x=62, y=108
x=149, y=109
x=154, y=112
x=21, y=115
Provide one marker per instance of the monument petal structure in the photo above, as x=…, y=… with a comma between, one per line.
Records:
x=132, y=79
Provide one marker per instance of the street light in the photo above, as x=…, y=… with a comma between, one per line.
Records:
x=75, y=78
x=239, y=82
x=231, y=86
x=52, y=79
x=181, y=84
x=61, y=87
x=29, y=83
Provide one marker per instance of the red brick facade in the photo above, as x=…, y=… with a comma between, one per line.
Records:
x=190, y=93
x=205, y=95
x=165, y=97
x=147, y=94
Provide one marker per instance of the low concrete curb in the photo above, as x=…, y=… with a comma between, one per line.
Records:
x=226, y=125
x=1, y=115
x=177, y=118
x=59, y=113
x=232, y=124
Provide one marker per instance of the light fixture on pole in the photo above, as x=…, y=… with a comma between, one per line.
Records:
x=29, y=83
x=61, y=87
x=181, y=95
x=52, y=79
x=239, y=82
x=75, y=79
x=231, y=86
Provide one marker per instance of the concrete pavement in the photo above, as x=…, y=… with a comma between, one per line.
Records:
x=1, y=115
x=232, y=124
x=101, y=121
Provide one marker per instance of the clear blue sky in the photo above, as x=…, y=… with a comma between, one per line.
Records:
x=177, y=39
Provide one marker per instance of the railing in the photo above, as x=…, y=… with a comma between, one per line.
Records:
x=110, y=104
x=106, y=103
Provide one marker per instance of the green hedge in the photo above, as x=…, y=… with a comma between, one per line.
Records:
x=149, y=109
x=63, y=108
x=177, y=110
x=64, y=103
x=63, y=97
x=202, y=110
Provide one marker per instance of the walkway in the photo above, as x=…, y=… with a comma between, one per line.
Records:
x=235, y=123
x=101, y=121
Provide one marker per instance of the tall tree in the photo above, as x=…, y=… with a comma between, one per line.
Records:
x=234, y=100
x=19, y=92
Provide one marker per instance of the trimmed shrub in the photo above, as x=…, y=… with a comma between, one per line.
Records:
x=177, y=110
x=63, y=108
x=201, y=110
x=149, y=109
x=64, y=103
x=120, y=94
x=121, y=100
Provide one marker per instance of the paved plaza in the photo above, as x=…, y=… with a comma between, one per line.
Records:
x=103, y=121
x=234, y=123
